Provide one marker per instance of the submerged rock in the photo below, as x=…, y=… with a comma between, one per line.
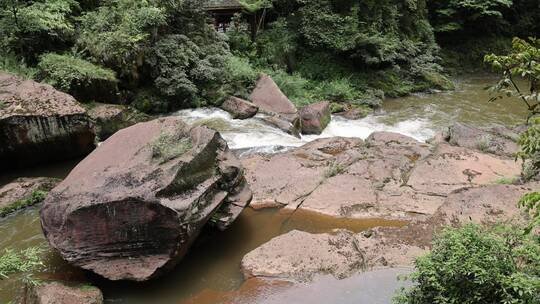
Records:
x=40, y=124
x=132, y=208
x=58, y=293
x=109, y=118
x=239, y=108
x=271, y=101
x=315, y=117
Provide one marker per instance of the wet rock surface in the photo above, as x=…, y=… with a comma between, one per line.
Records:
x=40, y=124
x=109, y=118
x=315, y=117
x=240, y=108
x=133, y=207
x=59, y=293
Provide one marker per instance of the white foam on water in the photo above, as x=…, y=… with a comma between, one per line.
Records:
x=255, y=133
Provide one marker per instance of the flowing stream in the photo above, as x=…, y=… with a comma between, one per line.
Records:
x=212, y=266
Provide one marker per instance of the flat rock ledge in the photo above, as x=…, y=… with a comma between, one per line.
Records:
x=300, y=256
x=133, y=207
x=388, y=176
x=59, y=293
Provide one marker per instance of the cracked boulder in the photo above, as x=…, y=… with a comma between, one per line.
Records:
x=40, y=124
x=133, y=207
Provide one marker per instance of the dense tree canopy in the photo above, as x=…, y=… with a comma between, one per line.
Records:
x=164, y=54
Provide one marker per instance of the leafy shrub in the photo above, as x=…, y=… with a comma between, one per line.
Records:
x=29, y=28
x=468, y=15
x=184, y=70
x=84, y=80
x=149, y=101
x=117, y=34
x=277, y=46
x=12, y=64
x=474, y=265
x=531, y=203
x=240, y=76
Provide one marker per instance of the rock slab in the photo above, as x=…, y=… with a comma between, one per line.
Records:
x=132, y=208
x=40, y=124
x=239, y=108
x=58, y=293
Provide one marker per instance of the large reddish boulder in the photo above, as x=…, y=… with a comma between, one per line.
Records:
x=132, y=208
x=239, y=108
x=40, y=124
x=315, y=117
x=271, y=101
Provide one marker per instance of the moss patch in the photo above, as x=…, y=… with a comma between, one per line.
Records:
x=36, y=197
x=168, y=146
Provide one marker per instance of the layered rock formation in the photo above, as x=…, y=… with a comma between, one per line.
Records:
x=132, y=208
x=40, y=124
x=387, y=176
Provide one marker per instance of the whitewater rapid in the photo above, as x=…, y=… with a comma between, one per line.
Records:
x=255, y=133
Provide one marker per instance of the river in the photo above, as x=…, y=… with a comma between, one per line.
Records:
x=212, y=266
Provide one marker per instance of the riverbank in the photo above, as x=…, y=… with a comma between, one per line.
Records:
x=214, y=261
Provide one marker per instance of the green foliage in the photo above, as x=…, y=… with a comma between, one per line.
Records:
x=67, y=72
x=12, y=64
x=255, y=5
x=240, y=76
x=334, y=169
x=148, y=101
x=36, y=197
x=118, y=33
x=168, y=146
x=473, y=265
x=531, y=203
x=25, y=261
x=459, y=15
x=529, y=143
x=185, y=70
x=31, y=27
x=522, y=62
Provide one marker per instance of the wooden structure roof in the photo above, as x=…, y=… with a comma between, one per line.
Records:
x=216, y=5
